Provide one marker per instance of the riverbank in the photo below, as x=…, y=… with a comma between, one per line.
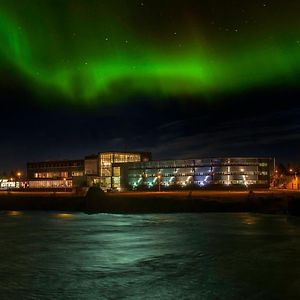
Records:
x=95, y=201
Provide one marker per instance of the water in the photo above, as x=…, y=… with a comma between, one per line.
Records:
x=201, y=256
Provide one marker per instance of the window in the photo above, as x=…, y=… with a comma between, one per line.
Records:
x=117, y=171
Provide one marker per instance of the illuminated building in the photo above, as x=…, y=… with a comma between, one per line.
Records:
x=54, y=174
x=135, y=170
x=55, y=169
x=196, y=173
x=9, y=184
x=93, y=170
x=111, y=162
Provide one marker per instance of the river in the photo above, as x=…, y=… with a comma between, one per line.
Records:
x=179, y=256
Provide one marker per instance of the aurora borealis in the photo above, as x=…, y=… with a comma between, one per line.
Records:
x=181, y=79
x=93, y=50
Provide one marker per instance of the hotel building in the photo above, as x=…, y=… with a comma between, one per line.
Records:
x=196, y=173
x=93, y=170
x=136, y=170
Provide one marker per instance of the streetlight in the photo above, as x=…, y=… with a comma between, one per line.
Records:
x=292, y=171
x=19, y=174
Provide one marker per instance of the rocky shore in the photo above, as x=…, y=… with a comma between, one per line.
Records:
x=96, y=201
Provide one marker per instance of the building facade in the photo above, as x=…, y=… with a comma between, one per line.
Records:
x=196, y=173
x=55, y=174
x=91, y=165
x=110, y=166
x=94, y=170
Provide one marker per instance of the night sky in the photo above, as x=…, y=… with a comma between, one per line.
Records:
x=178, y=78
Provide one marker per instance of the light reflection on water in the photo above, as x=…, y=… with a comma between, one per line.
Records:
x=14, y=213
x=64, y=216
x=249, y=219
x=180, y=256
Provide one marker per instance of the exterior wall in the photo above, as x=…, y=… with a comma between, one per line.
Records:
x=93, y=171
x=110, y=174
x=55, y=169
x=91, y=166
x=199, y=173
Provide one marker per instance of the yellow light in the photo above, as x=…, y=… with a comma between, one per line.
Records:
x=14, y=213
x=64, y=216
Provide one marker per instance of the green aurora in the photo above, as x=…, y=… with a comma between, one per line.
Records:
x=91, y=52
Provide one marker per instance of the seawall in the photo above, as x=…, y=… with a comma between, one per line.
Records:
x=95, y=201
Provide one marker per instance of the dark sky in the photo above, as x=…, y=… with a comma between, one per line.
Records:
x=195, y=79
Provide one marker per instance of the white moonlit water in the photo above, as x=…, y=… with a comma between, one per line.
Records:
x=180, y=256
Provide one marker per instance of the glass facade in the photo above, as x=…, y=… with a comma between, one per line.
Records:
x=110, y=176
x=244, y=172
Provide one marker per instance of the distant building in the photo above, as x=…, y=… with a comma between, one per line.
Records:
x=196, y=173
x=136, y=170
x=54, y=174
x=93, y=170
